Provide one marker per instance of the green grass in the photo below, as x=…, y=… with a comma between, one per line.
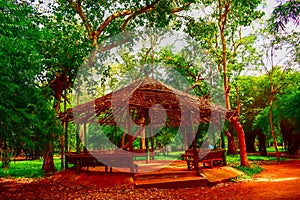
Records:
x=176, y=155
x=249, y=171
x=234, y=161
x=272, y=149
x=26, y=169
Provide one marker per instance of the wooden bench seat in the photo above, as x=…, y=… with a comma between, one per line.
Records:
x=142, y=153
x=209, y=158
x=107, y=160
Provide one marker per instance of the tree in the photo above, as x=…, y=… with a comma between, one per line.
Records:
x=253, y=98
x=289, y=116
x=220, y=33
x=27, y=118
x=273, y=46
x=284, y=115
x=64, y=46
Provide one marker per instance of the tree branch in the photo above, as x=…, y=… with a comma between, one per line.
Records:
x=130, y=12
x=78, y=9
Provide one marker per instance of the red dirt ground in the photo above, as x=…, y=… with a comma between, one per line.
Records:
x=277, y=181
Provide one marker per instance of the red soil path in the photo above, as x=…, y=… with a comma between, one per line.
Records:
x=277, y=181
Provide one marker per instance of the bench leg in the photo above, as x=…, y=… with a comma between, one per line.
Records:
x=136, y=167
x=78, y=167
x=188, y=165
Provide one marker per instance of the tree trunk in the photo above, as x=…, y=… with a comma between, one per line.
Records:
x=250, y=141
x=241, y=136
x=262, y=143
x=223, y=14
x=272, y=129
x=5, y=157
x=48, y=164
x=231, y=145
x=222, y=140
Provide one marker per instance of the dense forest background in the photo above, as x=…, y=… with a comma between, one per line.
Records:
x=44, y=43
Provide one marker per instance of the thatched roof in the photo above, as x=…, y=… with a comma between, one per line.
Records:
x=142, y=95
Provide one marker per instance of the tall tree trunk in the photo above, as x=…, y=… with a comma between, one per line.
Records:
x=5, y=157
x=223, y=13
x=231, y=146
x=262, y=143
x=241, y=136
x=272, y=128
x=48, y=164
x=250, y=141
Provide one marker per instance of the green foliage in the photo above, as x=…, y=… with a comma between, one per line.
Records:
x=289, y=100
x=283, y=13
x=132, y=14
x=27, y=118
x=253, y=97
x=207, y=31
x=284, y=105
x=63, y=45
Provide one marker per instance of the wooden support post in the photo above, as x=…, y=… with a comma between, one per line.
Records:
x=196, y=156
x=62, y=160
x=129, y=132
x=213, y=135
x=66, y=139
x=152, y=141
x=115, y=136
x=64, y=136
x=77, y=138
x=185, y=139
x=84, y=135
x=77, y=129
x=147, y=130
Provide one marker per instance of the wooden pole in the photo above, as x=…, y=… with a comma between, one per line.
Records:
x=84, y=135
x=152, y=140
x=62, y=162
x=129, y=132
x=77, y=138
x=77, y=130
x=185, y=139
x=66, y=138
x=213, y=135
x=147, y=136
x=196, y=156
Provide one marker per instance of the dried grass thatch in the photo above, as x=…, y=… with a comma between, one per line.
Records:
x=142, y=95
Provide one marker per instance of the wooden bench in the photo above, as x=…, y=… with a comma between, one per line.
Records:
x=142, y=153
x=211, y=157
x=107, y=160
x=188, y=156
x=83, y=160
x=214, y=157
x=119, y=160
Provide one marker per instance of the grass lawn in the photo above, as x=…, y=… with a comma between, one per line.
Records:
x=272, y=149
x=27, y=168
